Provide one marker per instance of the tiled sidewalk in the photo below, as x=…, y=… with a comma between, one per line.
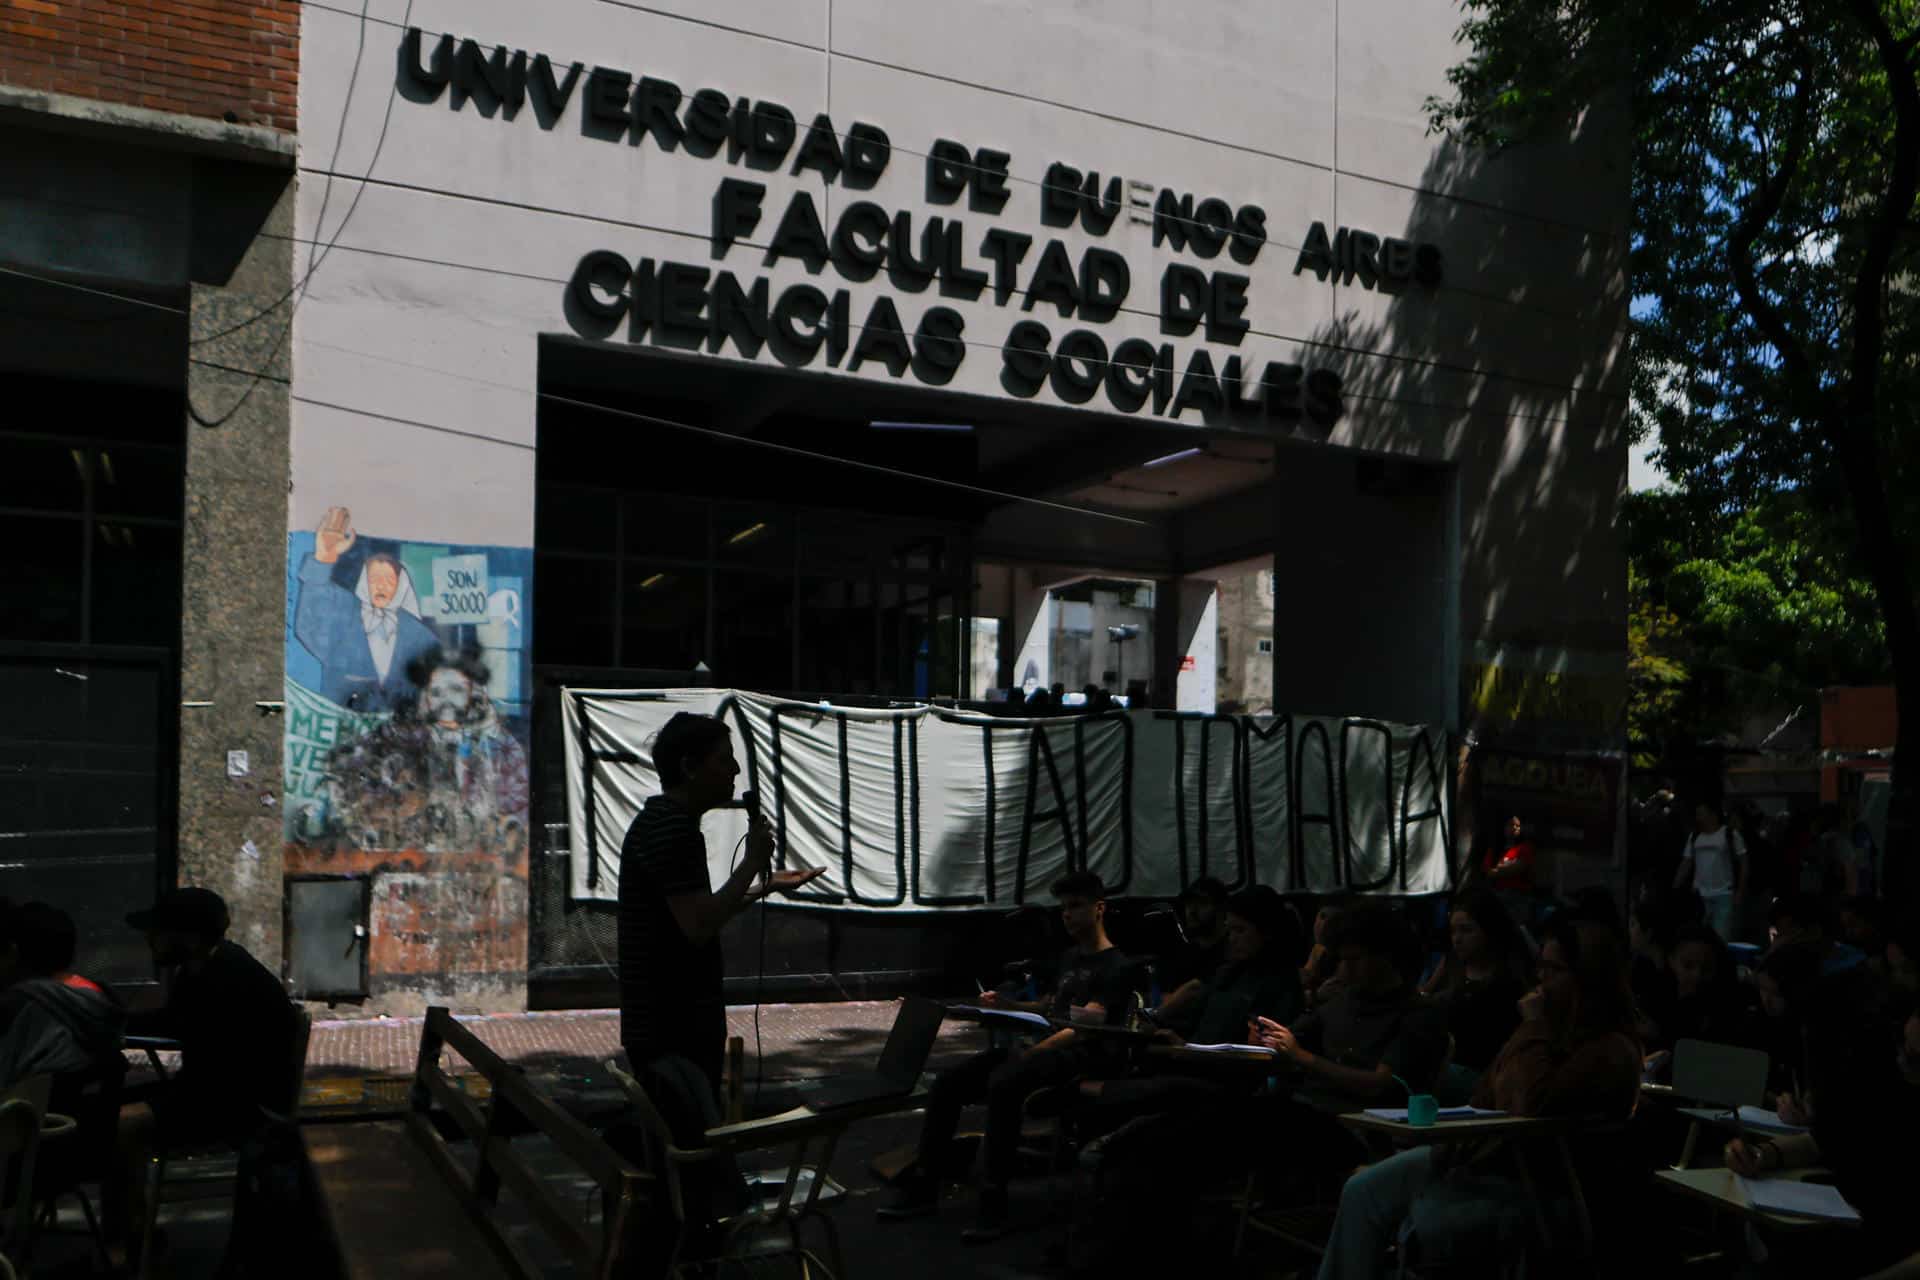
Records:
x=365, y=1064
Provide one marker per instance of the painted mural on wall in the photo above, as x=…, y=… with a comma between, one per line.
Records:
x=406, y=739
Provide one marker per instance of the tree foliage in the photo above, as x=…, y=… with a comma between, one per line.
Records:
x=1657, y=673
x=1731, y=613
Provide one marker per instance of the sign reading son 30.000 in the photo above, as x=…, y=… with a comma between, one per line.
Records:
x=687, y=305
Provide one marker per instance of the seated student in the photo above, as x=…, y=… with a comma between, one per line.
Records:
x=1573, y=1054
x=1318, y=975
x=1596, y=902
x=1094, y=985
x=1698, y=998
x=235, y=1025
x=1255, y=977
x=1865, y=1129
x=1257, y=981
x=55, y=1022
x=1815, y=1022
x=1651, y=926
x=1358, y=1048
x=231, y=1016
x=52, y=1020
x=1799, y=918
x=1863, y=926
x=1487, y=972
x=1203, y=921
x=1901, y=956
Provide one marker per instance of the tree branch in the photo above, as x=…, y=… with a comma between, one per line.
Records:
x=1855, y=431
x=1869, y=321
x=1769, y=195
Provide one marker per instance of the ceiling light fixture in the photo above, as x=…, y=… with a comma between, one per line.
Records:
x=1175, y=457
x=748, y=533
x=958, y=427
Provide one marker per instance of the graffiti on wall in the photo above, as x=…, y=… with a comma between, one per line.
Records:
x=406, y=734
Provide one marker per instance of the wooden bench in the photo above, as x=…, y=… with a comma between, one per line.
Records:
x=401, y=1201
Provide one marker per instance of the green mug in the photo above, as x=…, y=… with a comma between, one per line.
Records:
x=1423, y=1109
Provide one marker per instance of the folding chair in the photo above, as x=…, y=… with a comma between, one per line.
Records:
x=65, y=1168
x=19, y=1146
x=755, y=1234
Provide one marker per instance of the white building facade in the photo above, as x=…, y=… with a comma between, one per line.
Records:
x=784, y=341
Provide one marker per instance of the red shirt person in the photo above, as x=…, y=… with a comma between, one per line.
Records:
x=1514, y=868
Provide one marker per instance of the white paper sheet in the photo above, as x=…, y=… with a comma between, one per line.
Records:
x=1446, y=1113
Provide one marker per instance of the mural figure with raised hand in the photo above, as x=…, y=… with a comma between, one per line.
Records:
x=365, y=637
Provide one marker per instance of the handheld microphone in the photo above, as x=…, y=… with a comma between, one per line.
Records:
x=750, y=801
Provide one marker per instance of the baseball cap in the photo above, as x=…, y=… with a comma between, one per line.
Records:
x=189, y=910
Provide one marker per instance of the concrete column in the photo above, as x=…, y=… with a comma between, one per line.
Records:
x=233, y=591
x=1197, y=675
x=1168, y=642
x=1033, y=633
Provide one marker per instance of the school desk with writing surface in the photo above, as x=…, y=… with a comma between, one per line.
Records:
x=1722, y=1189
x=1484, y=1127
x=1235, y=1055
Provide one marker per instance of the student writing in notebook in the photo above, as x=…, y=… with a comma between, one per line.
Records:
x=1574, y=1053
x=1866, y=1130
x=1095, y=985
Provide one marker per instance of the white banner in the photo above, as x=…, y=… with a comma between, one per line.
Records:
x=923, y=808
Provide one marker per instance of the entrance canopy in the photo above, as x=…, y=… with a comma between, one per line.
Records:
x=793, y=532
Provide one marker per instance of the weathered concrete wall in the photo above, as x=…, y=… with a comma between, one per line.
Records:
x=233, y=603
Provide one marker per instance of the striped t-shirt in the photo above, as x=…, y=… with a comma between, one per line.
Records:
x=670, y=997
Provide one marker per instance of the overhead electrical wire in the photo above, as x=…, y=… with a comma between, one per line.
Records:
x=1347, y=392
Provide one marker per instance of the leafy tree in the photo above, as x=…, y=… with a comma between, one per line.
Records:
x=1729, y=612
x=1776, y=149
x=1656, y=673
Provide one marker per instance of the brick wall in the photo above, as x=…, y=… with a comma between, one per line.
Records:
x=195, y=57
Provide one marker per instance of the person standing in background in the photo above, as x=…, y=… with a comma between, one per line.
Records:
x=1715, y=866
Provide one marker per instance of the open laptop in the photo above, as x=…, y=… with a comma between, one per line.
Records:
x=909, y=1044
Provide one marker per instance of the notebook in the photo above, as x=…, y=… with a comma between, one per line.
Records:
x=1258, y=1049
x=1445, y=1113
x=1808, y=1199
x=1767, y=1121
x=1009, y=1015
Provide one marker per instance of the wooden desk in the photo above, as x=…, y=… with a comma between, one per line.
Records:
x=1721, y=1188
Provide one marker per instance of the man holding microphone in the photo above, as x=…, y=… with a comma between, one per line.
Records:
x=670, y=914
